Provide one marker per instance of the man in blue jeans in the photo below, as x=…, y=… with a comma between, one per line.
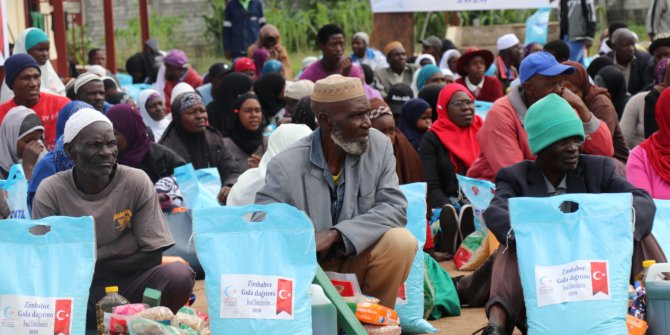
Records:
x=578, y=26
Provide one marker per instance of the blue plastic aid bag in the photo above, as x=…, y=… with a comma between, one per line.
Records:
x=537, y=26
x=661, y=229
x=209, y=178
x=410, y=309
x=574, y=266
x=480, y=193
x=258, y=271
x=16, y=192
x=196, y=196
x=48, y=275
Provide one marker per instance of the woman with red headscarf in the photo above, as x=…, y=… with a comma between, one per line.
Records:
x=449, y=148
x=649, y=163
x=599, y=102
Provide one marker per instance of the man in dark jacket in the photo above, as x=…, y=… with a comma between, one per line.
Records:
x=578, y=26
x=554, y=134
x=634, y=63
x=242, y=23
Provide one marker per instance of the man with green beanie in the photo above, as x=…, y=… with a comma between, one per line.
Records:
x=555, y=134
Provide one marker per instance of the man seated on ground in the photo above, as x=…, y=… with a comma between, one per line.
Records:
x=23, y=76
x=90, y=89
x=503, y=139
x=175, y=70
x=131, y=232
x=398, y=71
x=362, y=53
x=555, y=134
x=344, y=177
x=633, y=62
x=506, y=65
x=330, y=39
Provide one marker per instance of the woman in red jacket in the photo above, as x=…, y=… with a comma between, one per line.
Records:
x=472, y=66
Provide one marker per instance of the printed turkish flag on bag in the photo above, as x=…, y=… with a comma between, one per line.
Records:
x=63, y=316
x=285, y=296
x=599, y=278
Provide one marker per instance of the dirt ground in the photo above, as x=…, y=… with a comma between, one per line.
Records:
x=470, y=320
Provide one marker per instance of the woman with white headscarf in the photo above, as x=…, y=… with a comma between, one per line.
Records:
x=251, y=181
x=21, y=136
x=153, y=112
x=35, y=42
x=421, y=61
x=449, y=61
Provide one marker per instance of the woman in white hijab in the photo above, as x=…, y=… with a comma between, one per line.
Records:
x=152, y=110
x=35, y=42
x=251, y=181
x=21, y=136
x=449, y=60
x=420, y=61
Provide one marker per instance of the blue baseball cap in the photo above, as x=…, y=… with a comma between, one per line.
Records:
x=542, y=63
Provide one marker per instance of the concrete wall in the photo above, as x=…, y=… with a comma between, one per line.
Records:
x=627, y=10
x=189, y=36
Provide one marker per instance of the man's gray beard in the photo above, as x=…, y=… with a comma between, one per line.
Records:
x=355, y=148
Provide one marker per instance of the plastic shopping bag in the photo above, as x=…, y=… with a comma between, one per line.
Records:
x=537, y=26
x=475, y=248
x=574, y=255
x=16, y=192
x=196, y=195
x=410, y=303
x=47, y=272
x=661, y=229
x=259, y=262
x=210, y=179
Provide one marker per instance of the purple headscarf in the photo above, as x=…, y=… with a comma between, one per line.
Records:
x=260, y=56
x=128, y=122
x=659, y=71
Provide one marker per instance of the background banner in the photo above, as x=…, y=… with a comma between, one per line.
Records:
x=398, y=6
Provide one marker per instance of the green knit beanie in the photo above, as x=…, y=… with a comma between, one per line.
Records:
x=550, y=120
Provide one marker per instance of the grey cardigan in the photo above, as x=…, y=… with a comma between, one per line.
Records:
x=240, y=157
x=372, y=204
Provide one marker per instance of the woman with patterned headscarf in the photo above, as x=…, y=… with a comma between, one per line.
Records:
x=190, y=137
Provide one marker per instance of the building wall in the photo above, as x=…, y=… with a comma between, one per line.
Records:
x=627, y=10
x=189, y=35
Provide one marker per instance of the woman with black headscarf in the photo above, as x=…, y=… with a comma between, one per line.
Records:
x=270, y=92
x=430, y=93
x=611, y=78
x=189, y=136
x=302, y=114
x=246, y=138
x=220, y=111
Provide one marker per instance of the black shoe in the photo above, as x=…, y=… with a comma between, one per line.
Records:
x=491, y=329
x=447, y=238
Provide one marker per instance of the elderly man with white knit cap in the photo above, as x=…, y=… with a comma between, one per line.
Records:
x=131, y=233
x=506, y=65
x=89, y=88
x=343, y=176
x=364, y=54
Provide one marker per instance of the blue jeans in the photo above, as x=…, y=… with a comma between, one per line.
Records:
x=576, y=50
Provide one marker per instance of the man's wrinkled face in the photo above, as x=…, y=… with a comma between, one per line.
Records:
x=93, y=93
x=624, y=48
x=94, y=150
x=563, y=156
x=397, y=58
x=350, y=130
x=358, y=46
